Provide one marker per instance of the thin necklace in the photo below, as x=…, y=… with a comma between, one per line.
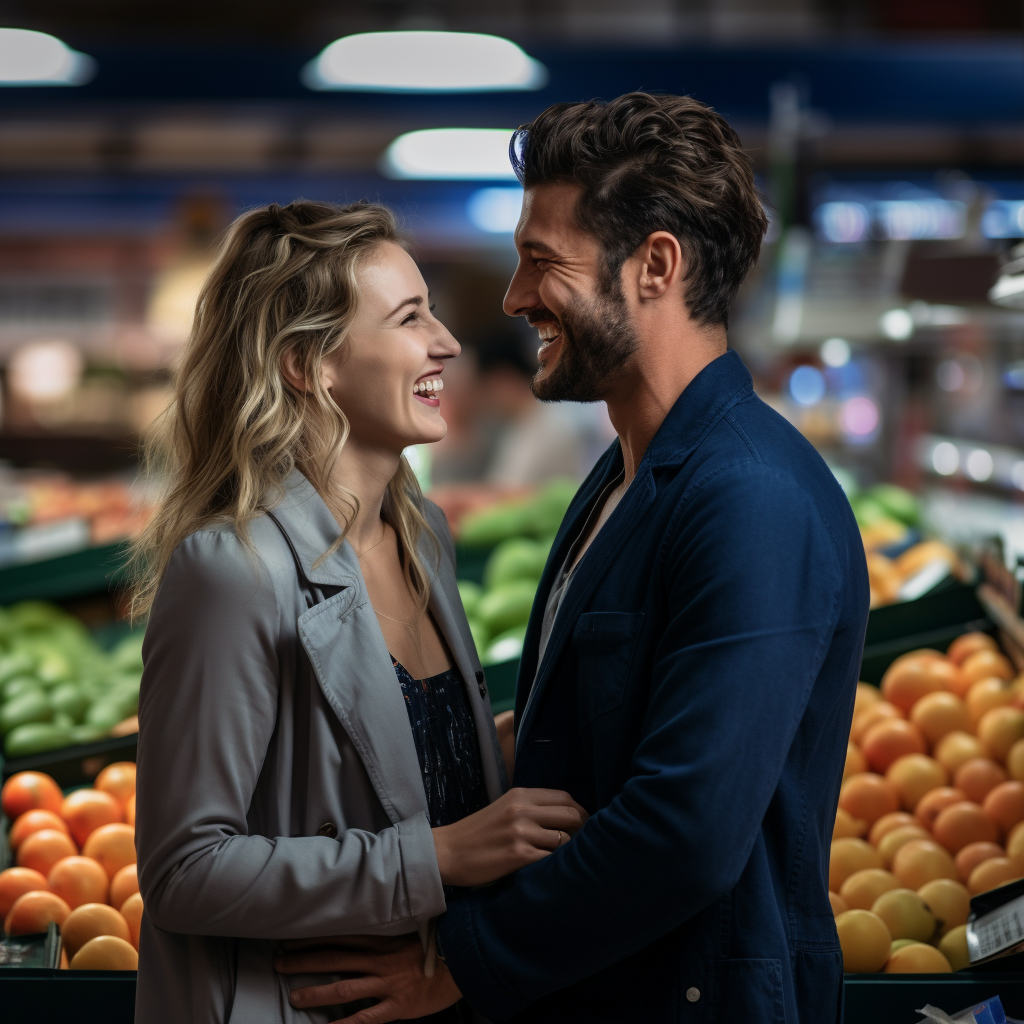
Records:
x=376, y=544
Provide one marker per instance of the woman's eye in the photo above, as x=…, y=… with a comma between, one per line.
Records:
x=409, y=318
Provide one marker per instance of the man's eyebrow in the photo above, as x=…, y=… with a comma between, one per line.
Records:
x=416, y=300
x=536, y=246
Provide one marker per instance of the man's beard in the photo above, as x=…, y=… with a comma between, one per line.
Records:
x=598, y=340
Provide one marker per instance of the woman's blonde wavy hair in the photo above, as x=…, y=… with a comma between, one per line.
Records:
x=284, y=280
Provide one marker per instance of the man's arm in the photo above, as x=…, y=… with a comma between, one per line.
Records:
x=754, y=586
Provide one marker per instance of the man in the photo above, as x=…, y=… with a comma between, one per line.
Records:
x=690, y=665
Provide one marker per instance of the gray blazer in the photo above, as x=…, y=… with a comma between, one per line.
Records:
x=279, y=789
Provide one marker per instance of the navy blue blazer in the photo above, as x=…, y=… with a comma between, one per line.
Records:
x=695, y=697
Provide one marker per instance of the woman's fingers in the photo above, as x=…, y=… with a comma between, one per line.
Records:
x=336, y=992
x=565, y=818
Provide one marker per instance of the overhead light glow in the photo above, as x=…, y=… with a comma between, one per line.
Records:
x=36, y=58
x=843, y=221
x=1017, y=475
x=807, y=385
x=44, y=371
x=1003, y=218
x=945, y=458
x=979, y=465
x=913, y=219
x=495, y=210
x=835, y=352
x=950, y=375
x=424, y=62
x=859, y=418
x=897, y=324
x=451, y=154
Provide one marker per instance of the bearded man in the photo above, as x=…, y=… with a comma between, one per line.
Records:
x=689, y=668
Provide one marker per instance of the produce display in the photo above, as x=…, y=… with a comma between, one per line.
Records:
x=931, y=810
x=889, y=519
x=520, y=532
x=75, y=866
x=57, y=686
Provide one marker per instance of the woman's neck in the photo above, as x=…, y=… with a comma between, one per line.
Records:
x=366, y=473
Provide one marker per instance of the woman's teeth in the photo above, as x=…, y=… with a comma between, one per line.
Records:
x=428, y=386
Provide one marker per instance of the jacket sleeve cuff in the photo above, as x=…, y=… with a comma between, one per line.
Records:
x=488, y=994
x=419, y=867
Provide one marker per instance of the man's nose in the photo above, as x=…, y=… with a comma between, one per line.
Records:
x=521, y=296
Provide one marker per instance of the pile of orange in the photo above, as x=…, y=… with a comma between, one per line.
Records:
x=75, y=858
x=931, y=810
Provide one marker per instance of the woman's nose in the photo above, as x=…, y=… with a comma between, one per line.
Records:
x=445, y=346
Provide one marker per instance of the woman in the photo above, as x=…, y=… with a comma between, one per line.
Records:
x=317, y=755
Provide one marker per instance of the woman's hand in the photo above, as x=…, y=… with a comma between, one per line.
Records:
x=520, y=827
x=503, y=726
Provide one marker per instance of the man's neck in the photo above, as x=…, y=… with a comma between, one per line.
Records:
x=662, y=369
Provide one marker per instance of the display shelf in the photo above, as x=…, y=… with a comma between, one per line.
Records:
x=77, y=765
x=86, y=997
x=87, y=571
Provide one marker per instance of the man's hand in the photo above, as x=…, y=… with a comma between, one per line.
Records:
x=391, y=971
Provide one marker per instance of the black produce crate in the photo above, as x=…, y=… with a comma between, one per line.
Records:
x=934, y=620
x=78, y=765
x=501, y=684
x=470, y=562
x=86, y=997
x=89, y=571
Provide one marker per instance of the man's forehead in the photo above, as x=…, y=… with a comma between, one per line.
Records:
x=548, y=218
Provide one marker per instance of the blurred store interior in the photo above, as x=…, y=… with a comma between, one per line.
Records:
x=888, y=139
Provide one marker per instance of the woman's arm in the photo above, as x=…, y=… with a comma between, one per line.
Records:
x=207, y=713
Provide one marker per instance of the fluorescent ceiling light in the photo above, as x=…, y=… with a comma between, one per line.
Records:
x=35, y=58
x=451, y=154
x=423, y=62
x=495, y=210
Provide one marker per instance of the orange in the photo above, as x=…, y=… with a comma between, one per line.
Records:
x=865, y=941
x=892, y=841
x=856, y=762
x=907, y=681
x=847, y=825
x=863, y=887
x=953, y=946
x=41, y=850
x=113, y=846
x=917, y=958
x=964, y=823
x=15, y=882
x=106, y=953
x=27, y=791
x=846, y=857
x=1015, y=761
x=913, y=775
x=34, y=821
x=949, y=901
x=991, y=874
x=974, y=854
x=117, y=779
x=983, y=664
x=866, y=696
x=88, y=921
x=887, y=823
x=906, y=915
x=884, y=742
x=880, y=712
x=33, y=911
x=123, y=884
x=931, y=804
x=838, y=905
x=86, y=810
x=129, y=811
x=985, y=695
x=1015, y=842
x=131, y=911
x=1004, y=804
x=921, y=861
x=868, y=797
x=78, y=880
x=977, y=777
x=969, y=643
x=957, y=747
x=940, y=713
x=1000, y=729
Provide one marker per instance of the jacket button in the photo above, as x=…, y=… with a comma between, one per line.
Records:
x=328, y=829
x=692, y=994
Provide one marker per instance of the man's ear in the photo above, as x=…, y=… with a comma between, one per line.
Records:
x=661, y=264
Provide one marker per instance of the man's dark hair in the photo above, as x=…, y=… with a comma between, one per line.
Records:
x=651, y=163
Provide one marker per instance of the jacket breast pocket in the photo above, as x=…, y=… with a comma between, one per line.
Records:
x=744, y=991
x=605, y=643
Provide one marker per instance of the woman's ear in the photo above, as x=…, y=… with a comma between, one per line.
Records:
x=292, y=370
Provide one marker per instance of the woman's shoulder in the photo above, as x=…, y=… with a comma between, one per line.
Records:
x=438, y=523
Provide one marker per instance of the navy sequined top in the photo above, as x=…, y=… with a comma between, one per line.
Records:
x=449, y=754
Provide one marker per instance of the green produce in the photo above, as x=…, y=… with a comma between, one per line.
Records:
x=505, y=646
x=516, y=559
x=35, y=737
x=71, y=699
x=19, y=684
x=897, y=503
x=490, y=526
x=127, y=655
x=868, y=511
x=12, y=665
x=507, y=606
x=479, y=635
x=470, y=593
x=30, y=706
x=547, y=510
